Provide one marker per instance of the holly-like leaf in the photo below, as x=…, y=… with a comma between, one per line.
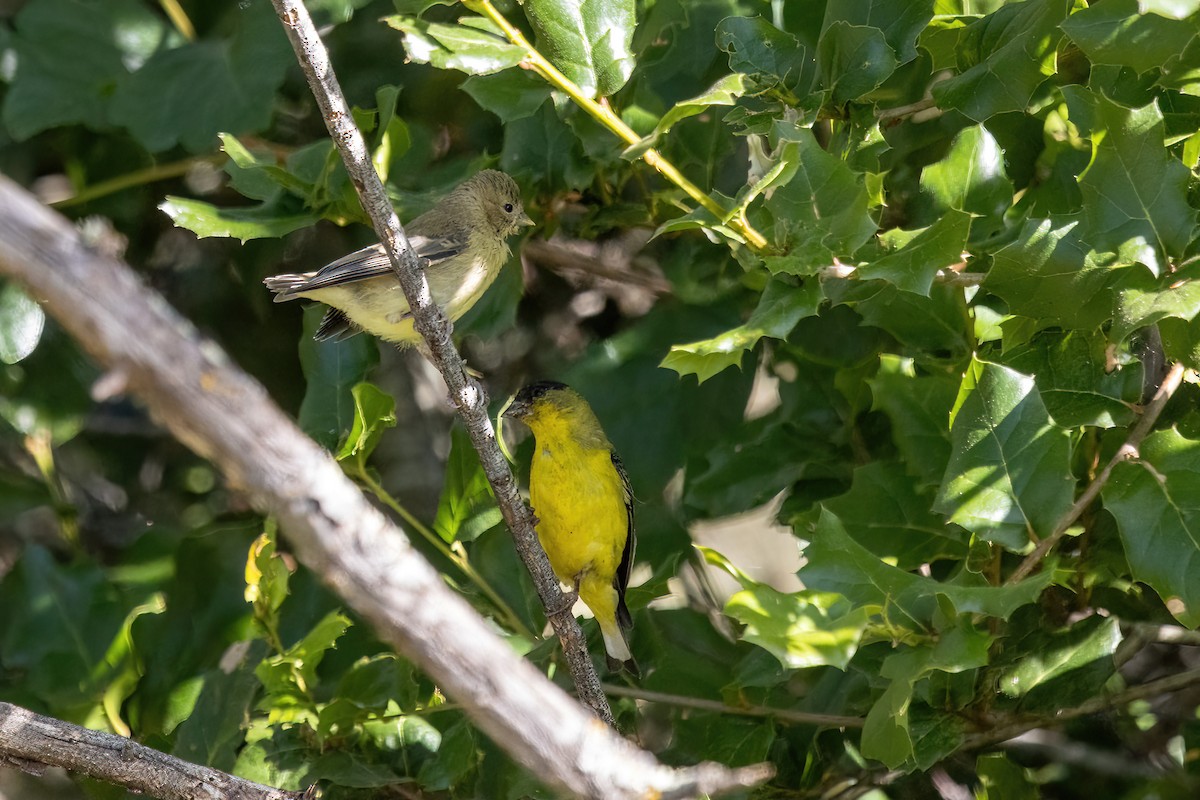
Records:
x=474, y=46
x=1156, y=502
x=1118, y=32
x=724, y=92
x=1009, y=472
x=918, y=255
x=919, y=409
x=374, y=413
x=854, y=60
x=466, y=507
x=773, y=58
x=971, y=177
x=331, y=370
x=781, y=306
x=589, y=42
x=21, y=324
x=1004, y=56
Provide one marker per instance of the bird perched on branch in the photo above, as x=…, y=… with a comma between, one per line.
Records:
x=581, y=496
x=461, y=243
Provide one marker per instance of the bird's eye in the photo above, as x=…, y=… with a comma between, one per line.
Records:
x=508, y=207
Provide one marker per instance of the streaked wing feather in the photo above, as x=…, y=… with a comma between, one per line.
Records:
x=372, y=262
x=625, y=569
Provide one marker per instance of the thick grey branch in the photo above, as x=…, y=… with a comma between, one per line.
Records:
x=467, y=395
x=29, y=740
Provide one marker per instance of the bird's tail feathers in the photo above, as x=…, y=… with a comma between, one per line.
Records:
x=616, y=649
x=285, y=286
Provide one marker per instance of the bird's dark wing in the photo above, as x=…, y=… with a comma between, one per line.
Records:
x=336, y=326
x=372, y=261
x=621, y=579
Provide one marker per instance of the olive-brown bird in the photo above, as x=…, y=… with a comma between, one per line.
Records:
x=581, y=496
x=461, y=243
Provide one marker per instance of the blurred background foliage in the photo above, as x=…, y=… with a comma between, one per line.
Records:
x=976, y=263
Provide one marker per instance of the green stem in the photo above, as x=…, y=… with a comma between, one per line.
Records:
x=605, y=116
x=138, y=178
x=179, y=18
x=458, y=559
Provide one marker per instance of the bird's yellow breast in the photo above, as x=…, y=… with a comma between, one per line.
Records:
x=579, y=500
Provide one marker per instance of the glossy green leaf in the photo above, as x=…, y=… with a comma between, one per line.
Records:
x=65, y=73
x=1117, y=32
x=457, y=757
x=474, y=45
x=820, y=208
x=837, y=563
x=971, y=177
x=374, y=413
x=215, y=729
x=1053, y=660
x=1051, y=274
x=770, y=56
x=780, y=307
x=1074, y=379
x=919, y=409
x=1134, y=192
x=232, y=84
x=724, y=92
x=1008, y=478
x=289, y=677
x=741, y=741
x=540, y=147
x=510, y=94
x=589, y=42
x=801, y=629
x=254, y=222
x=854, y=60
x=21, y=324
x=1144, y=300
x=884, y=512
x=331, y=370
x=466, y=507
x=1001, y=779
x=918, y=255
x=901, y=21
x=1004, y=57
x=1156, y=502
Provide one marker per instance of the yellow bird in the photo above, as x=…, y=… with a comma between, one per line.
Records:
x=461, y=243
x=584, y=506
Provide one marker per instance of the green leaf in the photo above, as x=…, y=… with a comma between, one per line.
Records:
x=737, y=742
x=331, y=369
x=543, y=149
x=589, y=42
x=1001, y=779
x=1134, y=192
x=267, y=577
x=1054, y=660
x=780, y=307
x=267, y=220
x=837, y=563
x=1156, y=502
x=276, y=756
x=1052, y=275
x=1004, y=56
x=21, y=323
x=919, y=410
x=820, y=210
x=290, y=678
x=884, y=512
x=1144, y=300
x=232, y=86
x=854, y=60
x=724, y=92
x=474, y=46
x=457, y=757
x=770, y=56
x=258, y=175
x=1009, y=474
x=467, y=507
x=801, y=629
x=65, y=72
x=215, y=729
x=1074, y=380
x=971, y=177
x=918, y=255
x=510, y=94
x=374, y=413
x=1116, y=32
x=901, y=21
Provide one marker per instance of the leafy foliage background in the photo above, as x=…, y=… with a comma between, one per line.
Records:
x=920, y=431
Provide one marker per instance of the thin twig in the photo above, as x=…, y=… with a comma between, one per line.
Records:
x=468, y=396
x=140, y=177
x=885, y=115
x=787, y=715
x=1127, y=451
x=559, y=256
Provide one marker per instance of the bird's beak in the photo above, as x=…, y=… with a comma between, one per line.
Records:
x=517, y=409
x=525, y=221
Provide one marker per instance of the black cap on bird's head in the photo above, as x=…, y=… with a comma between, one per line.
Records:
x=523, y=403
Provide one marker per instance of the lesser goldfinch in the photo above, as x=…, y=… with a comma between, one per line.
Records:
x=583, y=502
x=461, y=243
